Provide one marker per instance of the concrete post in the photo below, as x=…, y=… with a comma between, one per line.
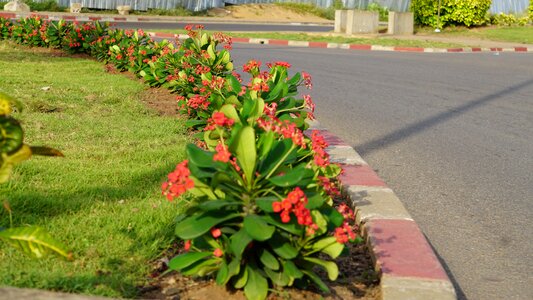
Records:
x=340, y=21
x=401, y=23
x=358, y=21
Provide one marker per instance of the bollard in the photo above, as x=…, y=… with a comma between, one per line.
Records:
x=401, y=23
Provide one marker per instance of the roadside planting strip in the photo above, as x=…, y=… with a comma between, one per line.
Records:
x=408, y=267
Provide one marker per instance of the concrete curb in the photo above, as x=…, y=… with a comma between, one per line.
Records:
x=306, y=44
x=408, y=266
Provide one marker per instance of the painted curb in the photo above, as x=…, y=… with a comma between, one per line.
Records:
x=307, y=44
x=408, y=266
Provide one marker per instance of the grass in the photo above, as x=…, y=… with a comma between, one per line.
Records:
x=303, y=8
x=518, y=34
x=103, y=199
x=385, y=41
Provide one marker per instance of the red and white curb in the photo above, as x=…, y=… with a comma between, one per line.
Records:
x=408, y=266
x=306, y=44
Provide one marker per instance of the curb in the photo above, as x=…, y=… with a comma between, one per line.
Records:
x=306, y=44
x=408, y=266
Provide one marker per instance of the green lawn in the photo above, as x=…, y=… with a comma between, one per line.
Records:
x=103, y=199
x=523, y=34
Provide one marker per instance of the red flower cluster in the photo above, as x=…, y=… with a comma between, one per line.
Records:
x=307, y=80
x=251, y=65
x=344, y=233
x=218, y=119
x=346, y=211
x=178, y=182
x=319, y=145
x=329, y=186
x=222, y=154
x=285, y=128
x=295, y=202
x=198, y=102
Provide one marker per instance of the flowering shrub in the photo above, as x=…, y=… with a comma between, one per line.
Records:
x=30, y=31
x=264, y=209
x=6, y=26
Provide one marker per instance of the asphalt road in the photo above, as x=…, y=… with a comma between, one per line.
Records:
x=452, y=134
x=231, y=27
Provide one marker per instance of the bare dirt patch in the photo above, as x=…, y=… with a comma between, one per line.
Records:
x=269, y=13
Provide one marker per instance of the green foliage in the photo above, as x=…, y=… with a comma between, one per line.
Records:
x=530, y=11
x=304, y=8
x=453, y=12
x=502, y=19
x=48, y=5
x=382, y=10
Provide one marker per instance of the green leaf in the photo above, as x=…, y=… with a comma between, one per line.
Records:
x=295, y=79
x=242, y=279
x=268, y=259
x=199, y=157
x=196, y=225
x=201, y=268
x=33, y=241
x=265, y=203
x=217, y=204
x=238, y=242
x=187, y=259
x=292, y=177
x=278, y=278
x=257, y=228
x=257, y=286
x=229, y=111
x=282, y=150
x=330, y=267
x=328, y=245
x=291, y=227
x=234, y=83
x=222, y=274
x=315, y=200
x=245, y=150
x=292, y=270
x=282, y=247
x=335, y=218
x=321, y=285
x=195, y=123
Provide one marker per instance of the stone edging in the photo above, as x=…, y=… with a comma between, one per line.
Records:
x=306, y=44
x=409, y=269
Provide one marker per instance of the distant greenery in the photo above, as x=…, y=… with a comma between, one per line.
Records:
x=49, y=5
x=382, y=10
x=303, y=8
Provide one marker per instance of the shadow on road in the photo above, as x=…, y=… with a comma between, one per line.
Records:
x=415, y=128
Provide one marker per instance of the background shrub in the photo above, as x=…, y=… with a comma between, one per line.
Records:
x=453, y=12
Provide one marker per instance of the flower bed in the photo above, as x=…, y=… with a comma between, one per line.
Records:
x=262, y=212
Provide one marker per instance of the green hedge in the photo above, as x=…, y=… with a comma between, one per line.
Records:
x=453, y=12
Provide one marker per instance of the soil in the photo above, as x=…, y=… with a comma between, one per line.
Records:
x=266, y=12
x=357, y=280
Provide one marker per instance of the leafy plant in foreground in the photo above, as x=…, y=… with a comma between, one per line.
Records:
x=31, y=240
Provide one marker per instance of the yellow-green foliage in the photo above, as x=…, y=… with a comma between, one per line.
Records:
x=530, y=13
x=452, y=12
x=509, y=20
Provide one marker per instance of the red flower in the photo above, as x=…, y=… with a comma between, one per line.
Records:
x=319, y=145
x=178, y=182
x=307, y=80
x=283, y=64
x=215, y=232
x=218, y=252
x=187, y=245
x=251, y=65
x=295, y=203
x=344, y=233
x=222, y=154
